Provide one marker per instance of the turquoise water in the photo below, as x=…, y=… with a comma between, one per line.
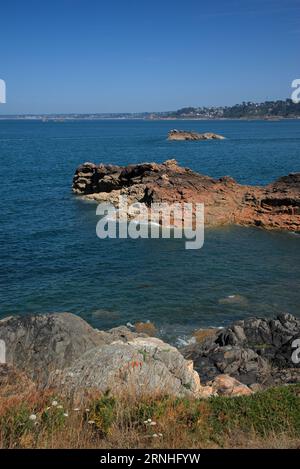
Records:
x=51, y=259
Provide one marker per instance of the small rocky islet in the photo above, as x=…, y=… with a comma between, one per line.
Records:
x=62, y=351
x=188, y=135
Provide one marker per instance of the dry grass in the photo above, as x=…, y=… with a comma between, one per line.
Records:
x=269, y=419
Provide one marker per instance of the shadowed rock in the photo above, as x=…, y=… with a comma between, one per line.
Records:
x=40, y=343
x=254, y=350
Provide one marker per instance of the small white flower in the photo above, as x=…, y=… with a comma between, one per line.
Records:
x=66, y=414
x=155, y=435
x=54, y=403
x=149, y=420
x=32, y=417
x=87, y=410
x=152, y=423
x=160, y=434
x=91, y=422
x=76, y=409
x=60, y=407
x=146, y=422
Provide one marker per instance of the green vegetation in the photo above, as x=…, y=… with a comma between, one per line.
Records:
x=269, y=418
x=247, y=110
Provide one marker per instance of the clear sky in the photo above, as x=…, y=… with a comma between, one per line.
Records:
x=146, y=55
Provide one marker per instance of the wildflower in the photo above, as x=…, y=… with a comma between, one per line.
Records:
x=32, y=417
x=87, y=410
x=160, y=434
x=76, y=409
x=152, y=423
x=155, y=435
x=149, y=420
x=91, y=422
x=54, y=403
x=66, y=414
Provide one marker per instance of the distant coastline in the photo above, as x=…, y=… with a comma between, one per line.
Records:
x=268, y=110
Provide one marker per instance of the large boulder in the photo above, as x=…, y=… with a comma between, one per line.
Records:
x=40, y=343
x=255, y=350
x=143, y=365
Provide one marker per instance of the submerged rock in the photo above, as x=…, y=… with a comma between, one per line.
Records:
x=186, y=135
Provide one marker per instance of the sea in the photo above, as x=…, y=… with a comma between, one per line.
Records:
x=52, y=260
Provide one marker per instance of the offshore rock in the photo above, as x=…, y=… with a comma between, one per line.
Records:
x=186, y=135
x=275, y=206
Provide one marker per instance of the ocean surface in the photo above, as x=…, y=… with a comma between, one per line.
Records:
x=52, y=260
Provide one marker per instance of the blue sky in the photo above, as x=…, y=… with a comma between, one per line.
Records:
x=130, y=56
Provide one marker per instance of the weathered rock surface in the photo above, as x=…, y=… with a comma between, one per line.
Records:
x=40, y=343
x=225, y=385
x=140, y=366
x=64, y=352
x=185, y=135
x=253, y=351
x=276, y=206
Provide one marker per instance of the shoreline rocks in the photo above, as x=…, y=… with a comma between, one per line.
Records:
x=254, y=351
x=275, y=206
x=62, y=351
x=187, y=135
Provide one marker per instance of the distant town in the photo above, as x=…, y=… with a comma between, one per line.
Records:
x=268, y=110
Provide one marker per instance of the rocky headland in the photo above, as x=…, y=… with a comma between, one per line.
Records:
x=187, y=135
x=275, y=206
x=61, y=351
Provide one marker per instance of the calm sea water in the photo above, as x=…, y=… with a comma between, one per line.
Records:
x=51, y=259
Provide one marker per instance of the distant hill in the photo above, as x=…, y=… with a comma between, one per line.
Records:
x=246, y=110
x=267, y=109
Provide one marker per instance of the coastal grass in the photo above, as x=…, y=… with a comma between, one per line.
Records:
x=266, y=419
